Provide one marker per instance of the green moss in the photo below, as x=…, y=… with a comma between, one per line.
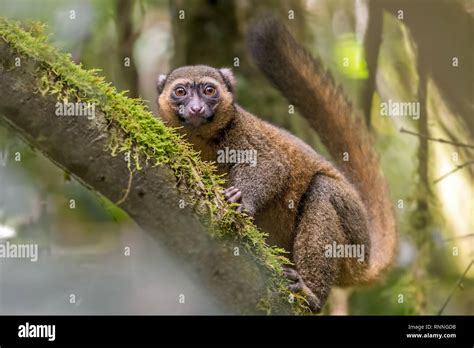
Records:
x=132, y=128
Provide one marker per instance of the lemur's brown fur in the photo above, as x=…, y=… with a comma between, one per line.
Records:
x=300, y=199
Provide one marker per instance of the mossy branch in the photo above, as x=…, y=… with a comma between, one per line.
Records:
x=220, y=246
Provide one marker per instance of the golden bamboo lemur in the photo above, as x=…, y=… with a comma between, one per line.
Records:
x=332, y=212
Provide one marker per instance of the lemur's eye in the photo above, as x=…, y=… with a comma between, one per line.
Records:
x=209, y=91
x=180, y=92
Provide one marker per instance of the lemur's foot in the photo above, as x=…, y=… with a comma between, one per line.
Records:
x=296, y=284
x=233, y=195
x=295, y=281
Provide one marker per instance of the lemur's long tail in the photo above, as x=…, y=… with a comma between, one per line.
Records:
x=311, y=89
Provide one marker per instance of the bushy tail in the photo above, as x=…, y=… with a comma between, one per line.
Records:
x=304, y=82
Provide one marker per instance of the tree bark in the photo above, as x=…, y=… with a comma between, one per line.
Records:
x=372, y=42
x=126, y=42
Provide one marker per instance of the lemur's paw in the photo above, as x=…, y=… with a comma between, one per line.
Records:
x=296, y=284
x=233, y=195
x=295, y=281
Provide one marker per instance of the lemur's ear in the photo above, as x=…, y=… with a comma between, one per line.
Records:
x=160, y=83
x=228, y=78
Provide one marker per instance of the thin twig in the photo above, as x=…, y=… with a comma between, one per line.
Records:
x=460, y=237
x=129, y=186
x=102, y=136
x=439, y=140
x=460, y=166
x=454, y=290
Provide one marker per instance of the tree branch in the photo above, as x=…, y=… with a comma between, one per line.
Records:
x=439, y=140
x=469, y=235
x=458, y=284
x=458, y=167
x=166, y=171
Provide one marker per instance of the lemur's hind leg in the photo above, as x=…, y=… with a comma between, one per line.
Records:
x=317, y=272
x=323, y=220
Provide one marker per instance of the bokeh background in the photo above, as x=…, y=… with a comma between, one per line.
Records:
x=399, y=50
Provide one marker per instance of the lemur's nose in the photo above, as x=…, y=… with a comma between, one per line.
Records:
x=196, y=109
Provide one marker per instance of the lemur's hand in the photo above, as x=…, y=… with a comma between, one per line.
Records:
x=233, y=195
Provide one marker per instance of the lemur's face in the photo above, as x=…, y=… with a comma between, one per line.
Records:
x=194, y=101
x=194, y=96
